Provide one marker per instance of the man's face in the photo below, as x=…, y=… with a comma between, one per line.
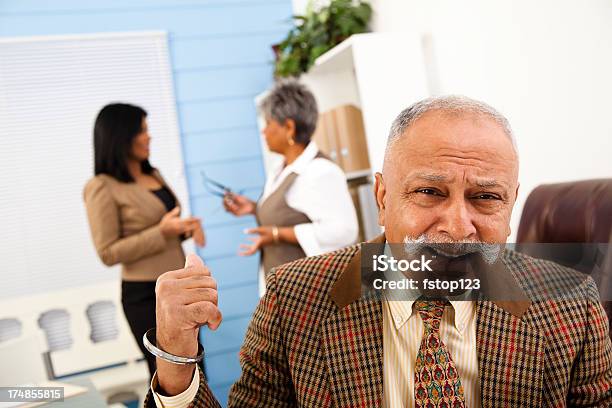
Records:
x=451, y=178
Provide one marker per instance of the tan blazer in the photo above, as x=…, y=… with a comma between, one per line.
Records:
x=124, y=222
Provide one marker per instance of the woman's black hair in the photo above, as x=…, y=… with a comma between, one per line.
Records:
x=116, y=127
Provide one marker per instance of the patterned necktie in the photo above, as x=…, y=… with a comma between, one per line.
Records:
x=436, y=380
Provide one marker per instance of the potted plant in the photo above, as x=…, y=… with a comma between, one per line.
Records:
x=317, y=31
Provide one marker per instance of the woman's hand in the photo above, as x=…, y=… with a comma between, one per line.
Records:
x=172, y=225
x=198, y=234
x=265, y=237
x=238, y=204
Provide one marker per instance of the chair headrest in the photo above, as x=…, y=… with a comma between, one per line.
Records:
x=578, y=211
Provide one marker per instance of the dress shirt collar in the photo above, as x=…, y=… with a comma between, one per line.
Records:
x=299, y=165
x=278, y=173
x=401, y=310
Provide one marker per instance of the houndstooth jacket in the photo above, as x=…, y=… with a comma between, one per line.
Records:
x=315, y=342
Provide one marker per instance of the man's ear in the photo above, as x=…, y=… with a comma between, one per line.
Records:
x=379, y=195
x=509, y=230
x=516, y=192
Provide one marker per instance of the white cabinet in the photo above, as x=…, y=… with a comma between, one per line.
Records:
x=381, y=73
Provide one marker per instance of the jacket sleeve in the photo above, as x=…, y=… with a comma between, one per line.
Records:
x=322, y=194
x=265, y=380
x=591, y=382
x=105, y=227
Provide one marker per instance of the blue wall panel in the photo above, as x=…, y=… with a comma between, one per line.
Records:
x=217, y=114
x=220, y=54
x=218, y=362
x=188, y=20
x=224, y=340
x=208, y=147
x=235, y=270
x=210, y=208
x=231, y=298
x=210, y=84
x=238, y=175
x=235, y=51
x=224, y=364
x=223, y=241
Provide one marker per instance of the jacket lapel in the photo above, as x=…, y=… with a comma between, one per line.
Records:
x=510, y=357
x=353, y=341
x=155, y=208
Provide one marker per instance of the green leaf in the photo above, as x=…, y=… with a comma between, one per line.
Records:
x=317, y=51
x=319, y=30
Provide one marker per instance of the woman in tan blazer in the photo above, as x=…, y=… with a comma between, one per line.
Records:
x=133, y=214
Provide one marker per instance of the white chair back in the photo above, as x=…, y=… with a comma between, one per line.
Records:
x=22, y=362
x=82, y=353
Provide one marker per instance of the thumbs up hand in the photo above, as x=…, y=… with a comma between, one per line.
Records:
x=186, y=299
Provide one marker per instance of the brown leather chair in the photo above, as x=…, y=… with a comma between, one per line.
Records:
x=576, y=212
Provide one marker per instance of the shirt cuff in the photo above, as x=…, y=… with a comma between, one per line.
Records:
x=181, y=400
x=305, y=235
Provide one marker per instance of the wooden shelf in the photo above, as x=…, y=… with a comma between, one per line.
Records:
x=352, y=175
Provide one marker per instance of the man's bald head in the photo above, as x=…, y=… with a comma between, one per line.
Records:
x=451, y=105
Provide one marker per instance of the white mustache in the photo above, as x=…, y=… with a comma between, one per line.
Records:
x=449, y=248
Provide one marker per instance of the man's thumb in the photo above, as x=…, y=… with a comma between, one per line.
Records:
x=193, y=260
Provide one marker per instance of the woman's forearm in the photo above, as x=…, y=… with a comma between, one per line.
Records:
x=253, y=206
x=133, y=247
x=287, y=234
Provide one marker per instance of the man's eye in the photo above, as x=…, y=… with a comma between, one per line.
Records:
x=429, y=191
x=486, y=196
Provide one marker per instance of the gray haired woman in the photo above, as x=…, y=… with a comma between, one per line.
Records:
x=305, y=208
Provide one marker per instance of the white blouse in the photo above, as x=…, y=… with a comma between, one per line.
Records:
x=320, y=191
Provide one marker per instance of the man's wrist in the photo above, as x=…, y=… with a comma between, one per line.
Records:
x=183, y=399
x=172, y=378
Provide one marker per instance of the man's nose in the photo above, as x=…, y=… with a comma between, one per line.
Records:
x=456, y=222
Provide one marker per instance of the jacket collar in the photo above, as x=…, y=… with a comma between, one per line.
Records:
x=347, y=288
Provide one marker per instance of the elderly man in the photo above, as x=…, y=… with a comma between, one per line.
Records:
x=450, y=175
